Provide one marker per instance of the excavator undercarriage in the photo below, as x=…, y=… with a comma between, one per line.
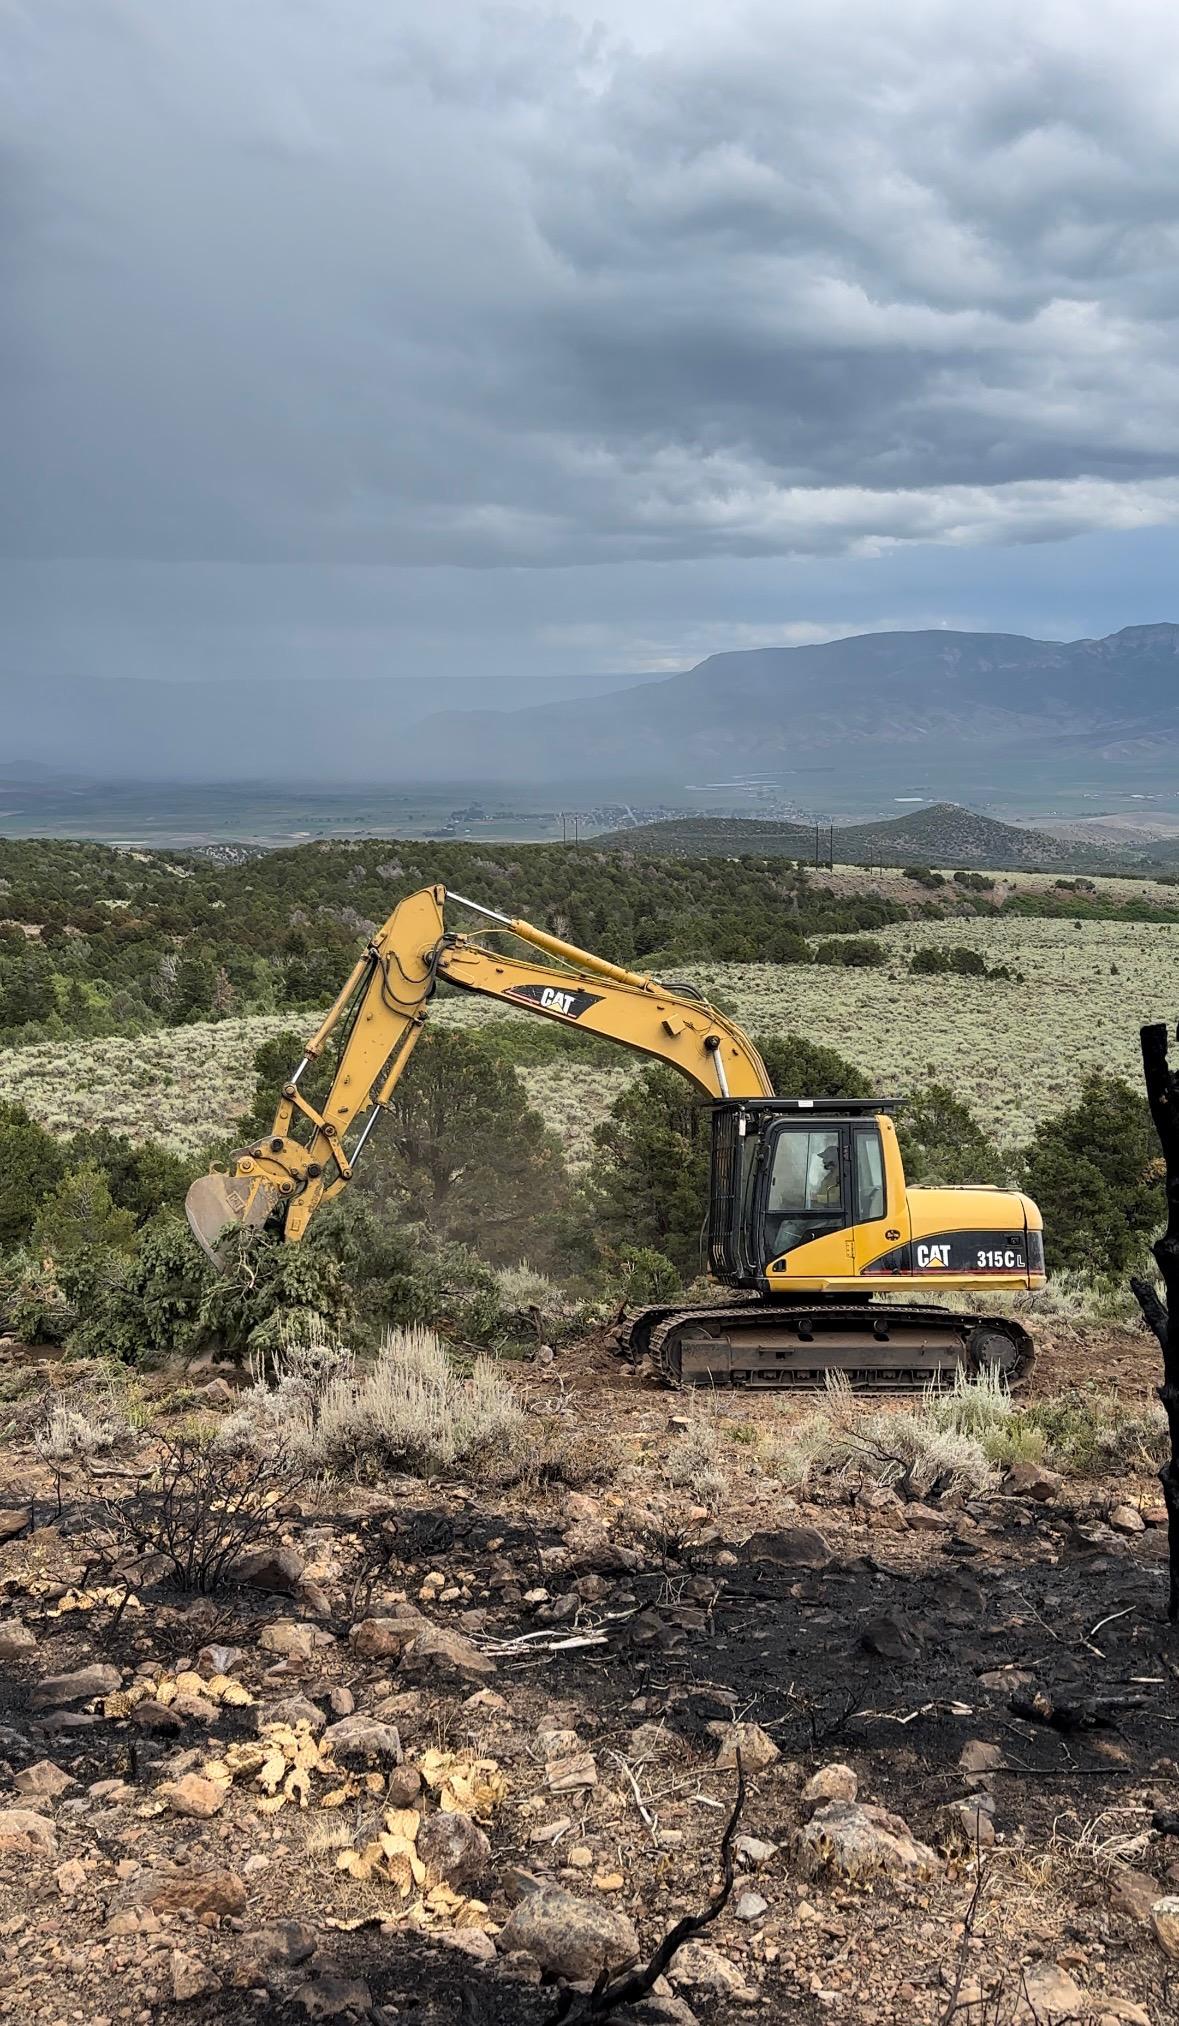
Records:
x=780, y=1345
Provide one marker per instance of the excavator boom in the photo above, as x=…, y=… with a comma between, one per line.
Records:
x=382, y=1008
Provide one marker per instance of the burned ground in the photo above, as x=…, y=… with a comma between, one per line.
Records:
x=602, y=1642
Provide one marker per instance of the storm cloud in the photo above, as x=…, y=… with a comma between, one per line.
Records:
x=319, y=284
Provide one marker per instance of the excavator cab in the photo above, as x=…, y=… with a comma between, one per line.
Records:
x=788, y=1173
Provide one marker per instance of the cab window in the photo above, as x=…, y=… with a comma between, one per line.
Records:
x=804, y=1198
x=870, y=1201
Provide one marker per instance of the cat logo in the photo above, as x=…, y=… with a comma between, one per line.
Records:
x=566, y=1004
x=932, y=1258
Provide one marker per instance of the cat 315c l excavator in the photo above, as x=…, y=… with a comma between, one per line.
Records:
x=810, y=1219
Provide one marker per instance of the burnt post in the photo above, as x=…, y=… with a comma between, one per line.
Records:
x=1162, y=1090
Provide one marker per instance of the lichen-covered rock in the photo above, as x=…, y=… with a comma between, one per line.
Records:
x=853, y=1840
x=568, y=1936
x=386, y=1638
x=437, y=1650
x=453, y=1849
x=198, y=1892
x=362, y=1742
x=835, y=1782
x=1164, y=1920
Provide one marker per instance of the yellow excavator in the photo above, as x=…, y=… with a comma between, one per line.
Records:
x=810, y=1217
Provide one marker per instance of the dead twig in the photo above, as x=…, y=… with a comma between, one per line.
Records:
x=640, y=1804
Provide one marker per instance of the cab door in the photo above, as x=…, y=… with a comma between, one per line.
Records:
x=880, y=1229
x=806, y=1199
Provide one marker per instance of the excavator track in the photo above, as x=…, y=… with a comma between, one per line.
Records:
x=785, y=1345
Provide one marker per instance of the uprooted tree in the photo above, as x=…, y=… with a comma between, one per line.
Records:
x=1162, y=1090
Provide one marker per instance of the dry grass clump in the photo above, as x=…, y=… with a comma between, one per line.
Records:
x=414, y=1411
x=411, y=1410
x=693, y=1461
x=933, y=1446
x=75, y=1430
x=961, y=1439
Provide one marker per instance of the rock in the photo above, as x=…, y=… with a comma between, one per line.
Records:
x=362, y=1742
x=43, y=1782
x=891, y=1636
x=218, y=1393
x=836, y=1782
x=1126, y=1519
x=580, y=1506
x=1164, y=1921
x=386, y=1638
x=56, y=1690
x=291, y=1639
x=195, y=1709
x=342, y=1701
x=790, y=1548
x=70, y=1877
x=568, y=1936
x=270, y=1950
x=1032, y=1480
x=403, y=1786
x=26, y=1834
x=977, y=1756
x=199, y=1892
x=571, y=1772
x=270, y=1568
x=751, y=1906
x=473, y=1942
x=190, y=1977
x=162, y=1719
x=219, y=1659
x=292, y=1710
x=967, y=1825
x=330, y=1996
x=16, y=1641
x=453, y=1849
x=925, y=1519
x=14, y=1520
x=856, y=1841
x=435, y=1650
x=193, y=1795
x=756, y=1747
x=1133, y=1893
x=754, y=1851
x=1050, y=1994
x=703, y=1968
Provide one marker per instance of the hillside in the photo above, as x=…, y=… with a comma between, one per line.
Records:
x=943, y=834
x=959, y=706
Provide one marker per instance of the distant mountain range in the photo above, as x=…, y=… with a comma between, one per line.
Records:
x=943, y=835
x=938, y=712
x=913, y=699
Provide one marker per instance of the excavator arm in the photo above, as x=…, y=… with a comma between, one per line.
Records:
x=310, y=1153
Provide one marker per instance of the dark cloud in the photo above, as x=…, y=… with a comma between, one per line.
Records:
x=355, y=283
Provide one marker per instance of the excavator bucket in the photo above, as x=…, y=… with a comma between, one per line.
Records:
x=217, y=1203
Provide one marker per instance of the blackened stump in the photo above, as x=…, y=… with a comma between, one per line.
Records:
x=1162, y=1090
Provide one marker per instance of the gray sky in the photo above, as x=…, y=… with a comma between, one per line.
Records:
x=355, y=335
